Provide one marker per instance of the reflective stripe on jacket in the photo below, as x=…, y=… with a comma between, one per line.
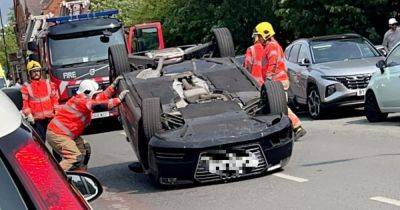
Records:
x=255, y=62
x=72, y=118
x=276, y=68
x=40, y=98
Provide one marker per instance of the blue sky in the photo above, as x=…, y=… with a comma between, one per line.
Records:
x=5, y=5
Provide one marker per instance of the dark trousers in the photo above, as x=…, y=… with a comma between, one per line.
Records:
x=40, y=127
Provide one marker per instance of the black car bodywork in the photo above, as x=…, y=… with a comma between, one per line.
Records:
x=230, y=129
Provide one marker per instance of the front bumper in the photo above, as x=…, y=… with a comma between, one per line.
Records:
x=178, y=163
x=343, y=97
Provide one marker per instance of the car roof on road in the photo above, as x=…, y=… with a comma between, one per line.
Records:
x=10, y=118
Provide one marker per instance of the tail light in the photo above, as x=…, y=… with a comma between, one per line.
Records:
x=48, y=185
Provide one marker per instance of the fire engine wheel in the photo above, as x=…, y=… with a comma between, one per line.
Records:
x=274, y=98
x=118, y=59
x=224, y=41
x=151, y=116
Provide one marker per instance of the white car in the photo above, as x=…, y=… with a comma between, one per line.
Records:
x=382, y=96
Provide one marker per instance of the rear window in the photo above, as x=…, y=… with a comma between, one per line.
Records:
x=10, y=197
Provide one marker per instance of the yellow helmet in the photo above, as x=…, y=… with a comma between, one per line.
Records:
x=264, y=29
x=33, y=65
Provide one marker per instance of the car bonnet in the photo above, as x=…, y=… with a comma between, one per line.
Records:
x=10, y=117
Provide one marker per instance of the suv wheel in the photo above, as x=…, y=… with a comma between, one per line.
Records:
x=372, y=110
x=314, y=105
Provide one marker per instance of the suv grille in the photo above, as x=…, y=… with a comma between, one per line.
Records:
x=359, y=81
x=203, y=176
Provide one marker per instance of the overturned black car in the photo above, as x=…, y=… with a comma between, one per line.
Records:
x=194, y=115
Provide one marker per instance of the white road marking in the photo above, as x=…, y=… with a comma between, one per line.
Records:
x=291, y=178
x=386, y=200
x=123, y=133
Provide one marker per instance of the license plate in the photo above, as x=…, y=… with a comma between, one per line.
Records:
x=361, y=92
x=225, y=163
x=97, y=115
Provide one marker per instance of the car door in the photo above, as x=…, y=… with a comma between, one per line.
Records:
x=388, y=93
x=292, y=65
x=302, y=72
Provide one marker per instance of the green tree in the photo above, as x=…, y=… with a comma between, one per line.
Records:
x=11, y=42
x=322, y=17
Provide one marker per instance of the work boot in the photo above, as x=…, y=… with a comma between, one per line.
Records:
x=136, y=167
x=299, y=132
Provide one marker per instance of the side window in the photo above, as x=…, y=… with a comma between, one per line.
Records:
x=287, y=52
x=394, y=57
x=304, y=53
x=294, y=53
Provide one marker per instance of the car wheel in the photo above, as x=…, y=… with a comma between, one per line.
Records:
x=223, y=38
x=150, y=125
x=372, y=110
x=314, y=105
x=118, y=60
x=274, y=98
x=151, y=116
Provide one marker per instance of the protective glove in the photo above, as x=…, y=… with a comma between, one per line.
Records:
x=123, y=94
x=116, y=81
x=30, y=119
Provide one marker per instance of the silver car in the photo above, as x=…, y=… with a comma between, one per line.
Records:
x=330, y=71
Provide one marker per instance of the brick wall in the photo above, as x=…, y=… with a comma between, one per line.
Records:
x=51, y=6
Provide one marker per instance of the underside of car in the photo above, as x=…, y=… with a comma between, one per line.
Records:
x=195, y=115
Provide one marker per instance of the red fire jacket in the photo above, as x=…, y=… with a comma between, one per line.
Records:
x=40, y=98
x=72, y=118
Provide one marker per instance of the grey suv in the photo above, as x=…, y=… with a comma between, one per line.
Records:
x=330, y=71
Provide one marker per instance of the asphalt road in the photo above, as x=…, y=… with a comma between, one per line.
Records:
x=344, y=162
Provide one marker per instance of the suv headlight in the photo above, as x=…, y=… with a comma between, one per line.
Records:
x=331, y=89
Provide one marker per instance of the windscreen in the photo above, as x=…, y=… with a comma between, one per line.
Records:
x=83, y=47
x=341, y=49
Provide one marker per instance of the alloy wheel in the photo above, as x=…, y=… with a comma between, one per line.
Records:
x=314, y=104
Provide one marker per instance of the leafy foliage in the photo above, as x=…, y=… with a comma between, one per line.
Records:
x=11, y=42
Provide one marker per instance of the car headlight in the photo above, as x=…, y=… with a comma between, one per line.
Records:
x=331, y=89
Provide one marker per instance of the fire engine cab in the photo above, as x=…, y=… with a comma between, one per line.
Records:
x=75, y=47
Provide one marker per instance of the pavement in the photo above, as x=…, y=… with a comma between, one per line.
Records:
x=343, y=162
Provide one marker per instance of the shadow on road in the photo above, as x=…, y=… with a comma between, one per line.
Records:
x=118, y=178
x=390, y=121
x=333, y=114
x=347, y=160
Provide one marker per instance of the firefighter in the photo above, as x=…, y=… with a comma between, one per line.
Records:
x=63, y=133
x=40, y=99
x=265, y=60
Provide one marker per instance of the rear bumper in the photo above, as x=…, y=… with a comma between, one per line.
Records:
x=180, y=165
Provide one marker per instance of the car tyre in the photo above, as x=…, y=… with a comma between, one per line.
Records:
x=314, y=105
x=118, y=60
x=225, y=45
x=274, y=98
x=372, y=110
x=151, y=116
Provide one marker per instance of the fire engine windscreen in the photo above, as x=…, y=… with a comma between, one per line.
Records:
x=83, y=47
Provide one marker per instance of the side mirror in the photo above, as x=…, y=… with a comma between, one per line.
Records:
x=15, y=95
x=32, y=46
x=304, y=62
x=86, y=183
x=381, y=65
x=104, y=39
